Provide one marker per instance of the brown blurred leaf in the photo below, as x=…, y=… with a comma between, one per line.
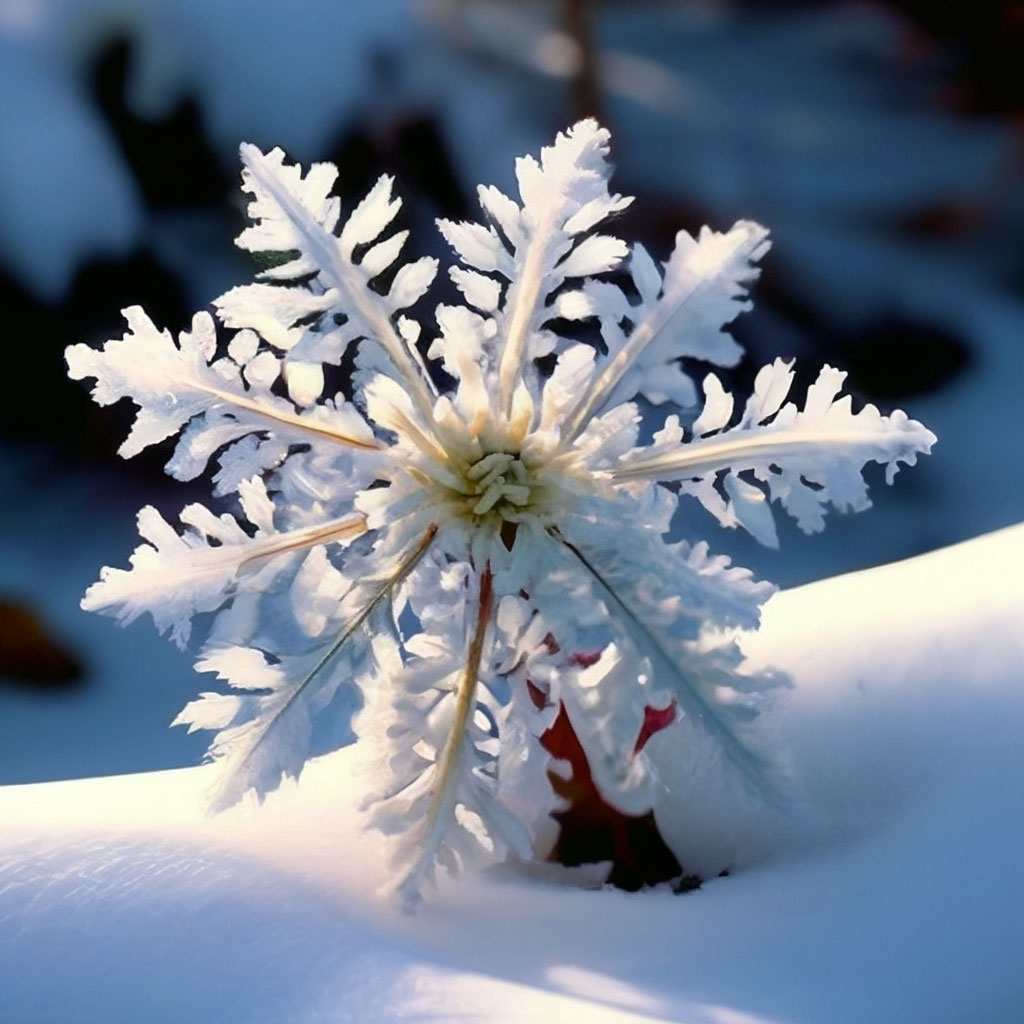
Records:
x=29, y=654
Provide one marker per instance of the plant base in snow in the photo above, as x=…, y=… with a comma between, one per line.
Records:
x=592, y=831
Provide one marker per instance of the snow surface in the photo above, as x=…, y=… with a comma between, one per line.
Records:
x=890, y=892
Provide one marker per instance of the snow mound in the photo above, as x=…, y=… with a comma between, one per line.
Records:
x=889, y=892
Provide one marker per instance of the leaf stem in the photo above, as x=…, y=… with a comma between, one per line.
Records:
x=526, y=298
x=296, y=540
x=291, y=420
x=467, y=687
x=735, y=448
x=595, y=395
x=444, y=790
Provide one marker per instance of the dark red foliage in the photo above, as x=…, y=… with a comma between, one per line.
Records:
x=654, y=721
x=584, y=659
x=591, y=829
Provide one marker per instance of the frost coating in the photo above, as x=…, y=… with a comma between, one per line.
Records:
x=471, y=561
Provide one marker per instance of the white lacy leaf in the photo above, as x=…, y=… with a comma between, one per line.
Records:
x=673, y=609
x=431, y=755
x=273, y=311
x=265, y=729
x=293, y=213
x=563, y=196
x=806, y=459
x=169, y=383
x=268, y=736
x=573, y=372
x=177, y=384
x=466, y=348
x=175, y=577
x=479, y=290
x=440, y=803
x=605, y=703
x=528, y=657
x=681, y=312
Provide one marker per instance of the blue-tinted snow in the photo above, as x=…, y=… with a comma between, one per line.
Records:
x=891, y=892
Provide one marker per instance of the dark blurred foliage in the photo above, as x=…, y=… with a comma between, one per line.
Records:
x=410, y=147
x=889, y=358
x=986, y=43
x=982, y=43
x=89, y=312
x=170, y=158
x=30, y=654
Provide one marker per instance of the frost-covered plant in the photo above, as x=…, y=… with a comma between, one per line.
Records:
x=475, y=559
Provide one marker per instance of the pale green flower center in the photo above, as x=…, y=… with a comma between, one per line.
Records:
x=498, y=484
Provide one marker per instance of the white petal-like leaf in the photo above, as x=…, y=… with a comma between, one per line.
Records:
x=175, y=384
x=805, y=459
x=702, y=290
x=564, y=195
x=175, y=577
x=292, y=214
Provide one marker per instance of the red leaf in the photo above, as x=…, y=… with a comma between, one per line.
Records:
x=592, y=830
x=654, y=721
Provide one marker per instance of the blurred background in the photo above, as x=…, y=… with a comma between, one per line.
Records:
x=882, y=143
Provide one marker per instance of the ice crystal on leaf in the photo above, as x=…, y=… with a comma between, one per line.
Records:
x=474, y=561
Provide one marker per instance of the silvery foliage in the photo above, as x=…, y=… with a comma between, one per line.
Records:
x=451, y=553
